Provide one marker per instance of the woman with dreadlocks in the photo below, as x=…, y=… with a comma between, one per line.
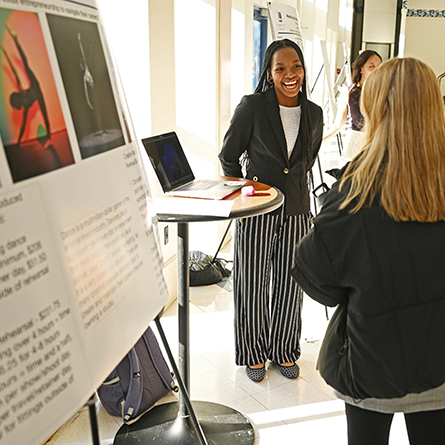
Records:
x=277, y=133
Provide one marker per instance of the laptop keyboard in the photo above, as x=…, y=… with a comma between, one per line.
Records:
x=202, y=184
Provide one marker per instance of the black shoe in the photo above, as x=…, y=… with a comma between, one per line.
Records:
x=290, y=372
x=256, y=374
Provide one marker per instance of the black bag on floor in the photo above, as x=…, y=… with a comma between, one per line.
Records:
x=204, y=269
x=138, y=381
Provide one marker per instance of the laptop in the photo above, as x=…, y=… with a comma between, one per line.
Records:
x=175, y=174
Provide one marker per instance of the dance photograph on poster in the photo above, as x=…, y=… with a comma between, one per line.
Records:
x=32, y=126
x=87, y=84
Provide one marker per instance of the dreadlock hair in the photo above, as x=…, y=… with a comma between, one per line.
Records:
x=265, y=83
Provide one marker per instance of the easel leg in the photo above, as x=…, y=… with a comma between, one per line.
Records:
x=182, y=388
x=93, y=420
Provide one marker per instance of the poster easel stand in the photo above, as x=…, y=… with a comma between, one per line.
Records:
x=344, y=75
x=91, y=404
x=182, y=388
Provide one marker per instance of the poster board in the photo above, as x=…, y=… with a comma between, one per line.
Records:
x=81, y=274
x=285, y=23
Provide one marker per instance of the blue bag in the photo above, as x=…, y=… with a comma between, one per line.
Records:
x=138, y=381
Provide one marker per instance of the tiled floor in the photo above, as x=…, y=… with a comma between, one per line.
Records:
x=283, y=411
x=303, y=411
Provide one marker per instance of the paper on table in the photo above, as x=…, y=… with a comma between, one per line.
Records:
x=190, y=206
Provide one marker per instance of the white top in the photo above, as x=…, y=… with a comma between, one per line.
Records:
x=290, y=118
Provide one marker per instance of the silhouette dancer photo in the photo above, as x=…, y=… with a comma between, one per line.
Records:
x=33, y=130
x=25, y=98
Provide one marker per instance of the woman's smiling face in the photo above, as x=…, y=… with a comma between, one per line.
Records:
x=287, y=72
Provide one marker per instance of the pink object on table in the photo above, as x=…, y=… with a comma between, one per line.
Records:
x=248, y=190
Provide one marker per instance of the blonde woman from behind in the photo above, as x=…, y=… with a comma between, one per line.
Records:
x=376, y=250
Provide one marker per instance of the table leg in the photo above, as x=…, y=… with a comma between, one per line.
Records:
x=183, y=311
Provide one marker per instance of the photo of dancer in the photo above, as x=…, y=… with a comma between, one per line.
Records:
x=87, y=84
x=32, y=126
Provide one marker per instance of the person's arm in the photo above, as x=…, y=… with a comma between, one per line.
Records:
x=313, y=270
x=20, y=50
x=237, y=138
x=14, y=72
x=338, y=124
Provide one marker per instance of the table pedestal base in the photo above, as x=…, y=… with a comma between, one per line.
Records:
x=221, y=426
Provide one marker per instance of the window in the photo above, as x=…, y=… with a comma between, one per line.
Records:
x=260, y=41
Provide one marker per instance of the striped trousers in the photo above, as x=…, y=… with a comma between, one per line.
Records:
x=268, y=301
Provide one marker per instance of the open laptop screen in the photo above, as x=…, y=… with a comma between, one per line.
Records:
x=168, y=160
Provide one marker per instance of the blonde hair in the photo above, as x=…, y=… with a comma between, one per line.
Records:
x=403, y=159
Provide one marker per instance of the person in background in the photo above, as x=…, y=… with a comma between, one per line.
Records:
x=376, y=250
x=277, y=134
x=363, y=66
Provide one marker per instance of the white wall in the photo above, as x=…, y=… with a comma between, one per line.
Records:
x=379, y=23
x=130, y=39
x=328, y=21
x=425, y=36
x=127, y=31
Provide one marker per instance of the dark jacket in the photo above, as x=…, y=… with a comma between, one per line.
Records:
x=392, y=277
x=256, y=128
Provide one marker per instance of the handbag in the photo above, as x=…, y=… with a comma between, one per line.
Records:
x=320, y=193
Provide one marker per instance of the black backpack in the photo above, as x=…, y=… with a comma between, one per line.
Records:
x=138, y=381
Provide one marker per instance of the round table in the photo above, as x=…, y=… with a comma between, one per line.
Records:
x=171, y=423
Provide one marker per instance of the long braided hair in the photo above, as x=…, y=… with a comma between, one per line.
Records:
x=265, y=83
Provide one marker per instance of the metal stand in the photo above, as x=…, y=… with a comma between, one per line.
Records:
x=345, y=74
x=221, y=426
x=93, y=419
x=183, y=422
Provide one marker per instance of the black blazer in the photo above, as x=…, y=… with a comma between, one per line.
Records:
x=256, y=128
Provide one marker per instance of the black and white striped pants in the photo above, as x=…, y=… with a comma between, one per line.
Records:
x=268, y=301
